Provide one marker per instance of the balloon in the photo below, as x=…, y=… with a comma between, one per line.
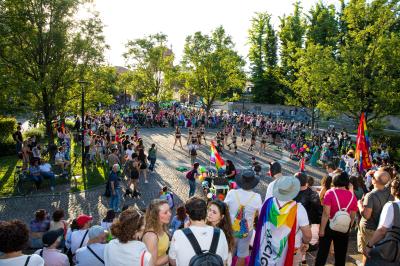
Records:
x=209, y=195
x=293, y=146
x=202, y=169
x=305, y=146
x=308, y=149
x=301, y=149
x=201, y=178
x=221, y=197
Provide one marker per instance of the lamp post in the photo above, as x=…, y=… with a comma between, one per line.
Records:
x=83, y=83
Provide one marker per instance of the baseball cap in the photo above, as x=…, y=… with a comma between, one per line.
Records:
x=95, y=231
x=50, y=237
x=83, y=219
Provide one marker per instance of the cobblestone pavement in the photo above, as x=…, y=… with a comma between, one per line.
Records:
x=92, y=202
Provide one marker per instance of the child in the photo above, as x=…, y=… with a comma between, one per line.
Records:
x=256, y=166
x=168, y=196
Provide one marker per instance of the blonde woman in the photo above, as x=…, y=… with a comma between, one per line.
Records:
x=155, y=237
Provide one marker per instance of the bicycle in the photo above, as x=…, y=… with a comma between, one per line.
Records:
x=22, y=182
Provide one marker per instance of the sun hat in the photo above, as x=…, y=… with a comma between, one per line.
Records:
x=95, y=231
x=247, y=180
x=286, y=188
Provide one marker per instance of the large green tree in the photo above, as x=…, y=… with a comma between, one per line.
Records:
x=212, y=66
x=47, y=50
x=152, y=64
x=367, y=76
x=323, y=25
x=263, y=56
x=291, y=35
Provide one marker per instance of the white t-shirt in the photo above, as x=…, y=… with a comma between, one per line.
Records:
x=35, y=260
x=386, y=219
x=129, y=153
x=182, y=251
x=270, y=189
x=76, y=239
x=121, y=254
x=251, y=205
x=84, y=257
x=302, y=220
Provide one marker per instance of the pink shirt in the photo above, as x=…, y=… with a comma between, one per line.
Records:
x=344, y=197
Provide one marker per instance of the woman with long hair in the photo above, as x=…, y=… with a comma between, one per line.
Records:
x=326, y=184
x=155, y=237
x=126, y=248
x=218, y=216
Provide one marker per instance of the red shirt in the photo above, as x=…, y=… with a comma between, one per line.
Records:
x=344, y=197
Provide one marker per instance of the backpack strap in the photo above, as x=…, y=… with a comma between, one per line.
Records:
x=27, y=260
x=94, y=253
x=41, y=253
x=337, y=200
x=193, y=241
x=83, y=239
x=142, y=258
x=215, y=240
x=348, y=205
x=247, y=202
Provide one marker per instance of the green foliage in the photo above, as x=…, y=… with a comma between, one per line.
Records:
x=367, y=76
x=7, y=127
x=153, y=70
x=45, y=50
x=322, y=27
x=38, y=132
x=7, y=147
x=263, y=58
x=211, y=66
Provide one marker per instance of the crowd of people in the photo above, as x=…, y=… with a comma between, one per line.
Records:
x=245, y=228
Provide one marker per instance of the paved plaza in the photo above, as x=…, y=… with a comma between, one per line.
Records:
x=92, y=202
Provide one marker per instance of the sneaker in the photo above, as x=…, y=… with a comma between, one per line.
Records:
x=145, y=181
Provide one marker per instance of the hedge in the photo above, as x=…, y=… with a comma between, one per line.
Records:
x=38, y=132
x=7, y=127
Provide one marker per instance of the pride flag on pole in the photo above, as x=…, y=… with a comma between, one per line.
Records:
x=215, y=157
x=363, y=155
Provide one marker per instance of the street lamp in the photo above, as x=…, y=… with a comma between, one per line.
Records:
x=83, y=83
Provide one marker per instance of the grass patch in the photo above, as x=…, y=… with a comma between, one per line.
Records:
x=95, y=174
x=8, y=166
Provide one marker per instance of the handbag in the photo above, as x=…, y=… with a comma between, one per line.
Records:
x=389, y=247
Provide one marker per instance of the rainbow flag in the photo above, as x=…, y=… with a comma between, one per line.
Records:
x=215, y=157
x=363, y=155
x=275, y=235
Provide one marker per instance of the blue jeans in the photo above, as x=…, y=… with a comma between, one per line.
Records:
x=51, y=176
x=152, y=163
x=36, y=178
x=115, y=200
x=192, y=187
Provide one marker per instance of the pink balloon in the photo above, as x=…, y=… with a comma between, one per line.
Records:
x=293, y=146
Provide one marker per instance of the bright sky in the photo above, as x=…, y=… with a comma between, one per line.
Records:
x=131, y=19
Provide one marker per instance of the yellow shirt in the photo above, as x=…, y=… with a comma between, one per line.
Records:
x=163, y=244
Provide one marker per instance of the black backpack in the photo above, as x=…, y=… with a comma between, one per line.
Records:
x=193, y=152
x=204, y=257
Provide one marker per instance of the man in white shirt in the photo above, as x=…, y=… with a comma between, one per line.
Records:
x=181, y=250
x=270, y=250
x=50, y=254
x=275, y=171
x=80, y=238
x=93, y=253
x=252, y=203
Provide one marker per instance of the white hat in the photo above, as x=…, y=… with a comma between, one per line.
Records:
x=286, y=188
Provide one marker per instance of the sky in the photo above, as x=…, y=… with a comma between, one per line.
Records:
x=131, y=19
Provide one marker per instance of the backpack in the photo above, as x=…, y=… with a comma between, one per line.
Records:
x=204, y=257
x=341, y=220
x=389, y=247
x=240, y=225
x=193, y=152
x=190, y=175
